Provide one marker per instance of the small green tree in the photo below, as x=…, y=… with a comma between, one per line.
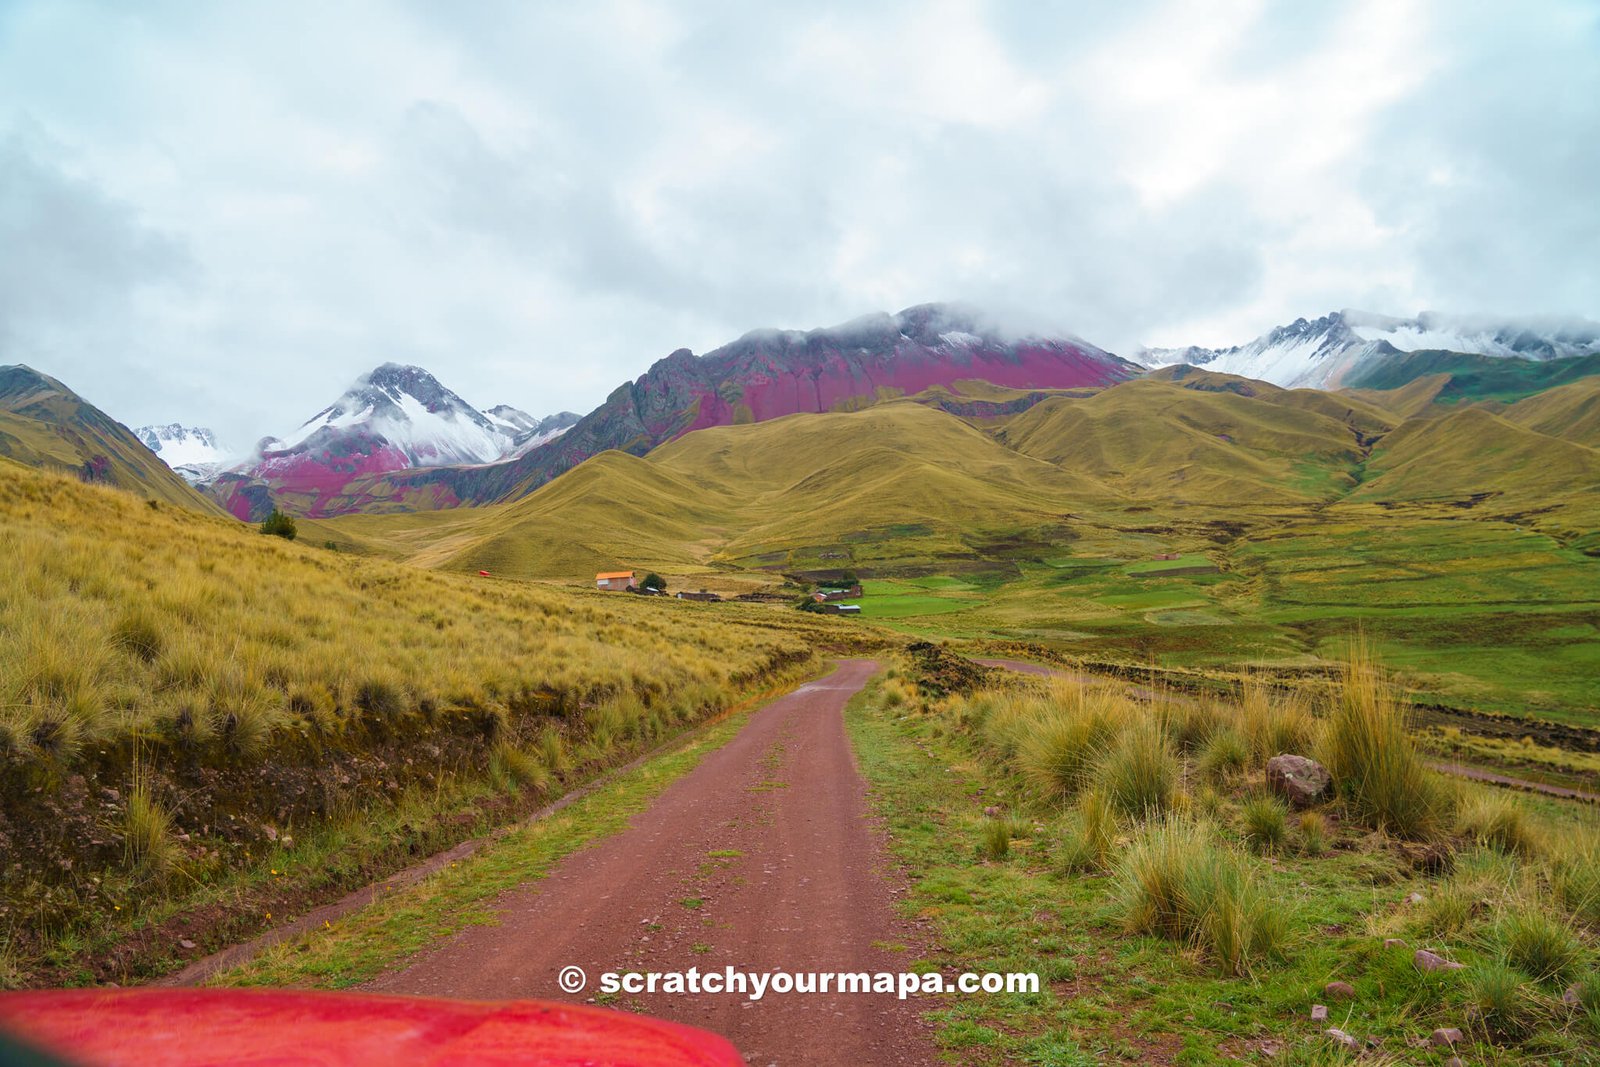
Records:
x=279, y=525
x=654, y=581
x=848, y=578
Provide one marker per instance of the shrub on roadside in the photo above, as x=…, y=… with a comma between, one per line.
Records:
x=1369, y=752
x=1176, y=881
x=1140, y=774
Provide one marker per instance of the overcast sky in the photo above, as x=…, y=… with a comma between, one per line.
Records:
x=223, y=213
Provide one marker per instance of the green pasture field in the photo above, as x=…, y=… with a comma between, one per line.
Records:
x=1486, y=614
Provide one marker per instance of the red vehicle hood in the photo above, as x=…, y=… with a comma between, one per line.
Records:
x=190, y=1027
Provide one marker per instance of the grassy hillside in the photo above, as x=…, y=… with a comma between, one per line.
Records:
x=178, y=692
x=1474, y=377
x=45, y=424
x=894, y=482
x=1462, y=540
x=1570, y=412
x=1153, y=441
x=1474, y=452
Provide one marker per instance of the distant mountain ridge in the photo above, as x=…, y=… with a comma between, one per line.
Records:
x=191, y=451
x=43, y=423
x=767, y=374
x=1343, y=346
x=395, y=417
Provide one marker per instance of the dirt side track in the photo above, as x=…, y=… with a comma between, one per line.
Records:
x=1460, y=770
x=764, y=859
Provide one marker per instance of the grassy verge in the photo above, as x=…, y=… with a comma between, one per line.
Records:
x=1010, y=884
x=377, y=938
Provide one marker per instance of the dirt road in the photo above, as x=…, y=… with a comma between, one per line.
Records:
x=764, y=859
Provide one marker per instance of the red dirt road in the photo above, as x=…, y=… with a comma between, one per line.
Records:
x=763, y=859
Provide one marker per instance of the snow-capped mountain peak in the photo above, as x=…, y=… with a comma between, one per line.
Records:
x=406, y=409
x=1321, y=353
x=192, y=451
x=510, y=420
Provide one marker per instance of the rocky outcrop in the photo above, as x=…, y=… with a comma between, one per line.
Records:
x=1299, y=780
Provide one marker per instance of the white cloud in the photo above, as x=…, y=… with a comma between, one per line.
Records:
x=537, y=201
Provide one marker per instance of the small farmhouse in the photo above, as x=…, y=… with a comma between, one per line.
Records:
x=615, y=580
x=822, y=596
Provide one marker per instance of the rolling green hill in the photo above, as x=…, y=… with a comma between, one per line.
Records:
x=1475, y=377
x=1570, y=412
x=1156, y=439
x=1474, y=452
x=45, y=424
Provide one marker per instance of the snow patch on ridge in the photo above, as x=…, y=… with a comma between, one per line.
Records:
x=1320, y=353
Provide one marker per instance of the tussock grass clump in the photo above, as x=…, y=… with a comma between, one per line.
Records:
x=1175, y=880
x=1575, y=875
x=1537, y=944
x=994, y=844
x=1225, y=755
x=1501, y=1003
x=1367, y=749
x=1139, y=776
x=1193, y=723
x=1091, y=838
x=148, y=844
x=1313, y=833
x=139, y=631
x=1273, y=723
x=1266, y=821
x=553, y=750
x=1060, y=740
x=1500, y=821
x=1448, y=910
x=510, y=766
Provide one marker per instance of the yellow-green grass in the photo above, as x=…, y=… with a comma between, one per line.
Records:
x=1571, y=412
x=167, y=676
x=1474, y=451
x=1218, y=954
x=913, y=480
x=1153, y=440
x=117, y=616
